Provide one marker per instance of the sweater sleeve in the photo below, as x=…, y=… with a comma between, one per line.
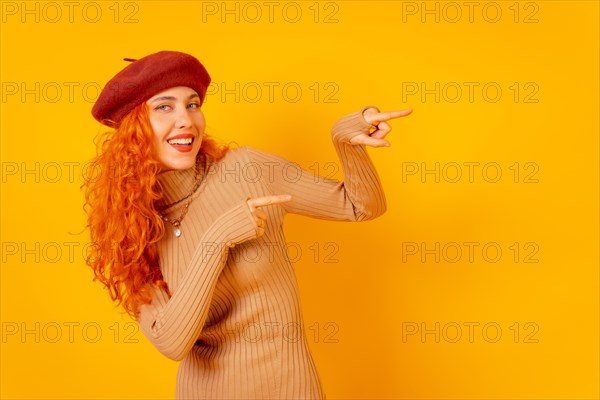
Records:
x=359, y=197
x=173, y=324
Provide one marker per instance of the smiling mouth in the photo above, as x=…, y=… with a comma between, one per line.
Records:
x=181, y=141
x=182, y=144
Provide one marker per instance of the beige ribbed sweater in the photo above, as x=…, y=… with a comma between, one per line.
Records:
x=234, y=317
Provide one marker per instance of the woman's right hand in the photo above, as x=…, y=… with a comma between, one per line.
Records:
x=260, y=216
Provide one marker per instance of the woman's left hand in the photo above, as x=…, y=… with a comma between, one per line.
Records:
x=382, y=128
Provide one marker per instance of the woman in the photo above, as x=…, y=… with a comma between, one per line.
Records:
x=185, y=240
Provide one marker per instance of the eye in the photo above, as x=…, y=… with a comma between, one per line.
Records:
x=194, y=105
x=162, y=107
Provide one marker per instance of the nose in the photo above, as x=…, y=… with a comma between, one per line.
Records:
x=182, y=118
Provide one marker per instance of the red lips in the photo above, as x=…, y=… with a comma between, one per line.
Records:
x=184, y=148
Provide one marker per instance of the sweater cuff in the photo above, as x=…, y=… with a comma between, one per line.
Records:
x=245, y=227
x=351, y=125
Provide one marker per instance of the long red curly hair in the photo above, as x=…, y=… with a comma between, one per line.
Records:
x=121, y=190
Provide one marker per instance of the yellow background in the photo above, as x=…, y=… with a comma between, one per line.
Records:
x=359, y=307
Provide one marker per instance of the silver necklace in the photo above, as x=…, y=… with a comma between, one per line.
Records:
x=176, y=222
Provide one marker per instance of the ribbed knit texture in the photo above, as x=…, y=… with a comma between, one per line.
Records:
x=234, y=318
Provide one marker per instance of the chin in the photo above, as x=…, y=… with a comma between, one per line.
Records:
x=179, y=164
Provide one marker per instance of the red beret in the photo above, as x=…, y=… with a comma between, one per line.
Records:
x=146, y=77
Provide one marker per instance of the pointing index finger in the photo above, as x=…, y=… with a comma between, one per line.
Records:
x=386, y=115
x=268, y=200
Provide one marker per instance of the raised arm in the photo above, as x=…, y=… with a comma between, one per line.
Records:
x=359, y=197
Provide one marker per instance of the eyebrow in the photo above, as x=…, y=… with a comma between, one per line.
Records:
x=161, y=98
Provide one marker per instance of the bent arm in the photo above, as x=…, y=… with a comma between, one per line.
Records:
x=173, y=324
x=359, y=197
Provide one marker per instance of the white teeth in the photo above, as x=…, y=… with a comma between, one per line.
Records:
x=180, y=141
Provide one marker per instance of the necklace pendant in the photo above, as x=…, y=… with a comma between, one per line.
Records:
x=177, y=232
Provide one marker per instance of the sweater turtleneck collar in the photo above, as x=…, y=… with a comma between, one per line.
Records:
x=178, y=184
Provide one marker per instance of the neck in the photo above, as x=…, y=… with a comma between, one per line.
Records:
x=177, y=184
